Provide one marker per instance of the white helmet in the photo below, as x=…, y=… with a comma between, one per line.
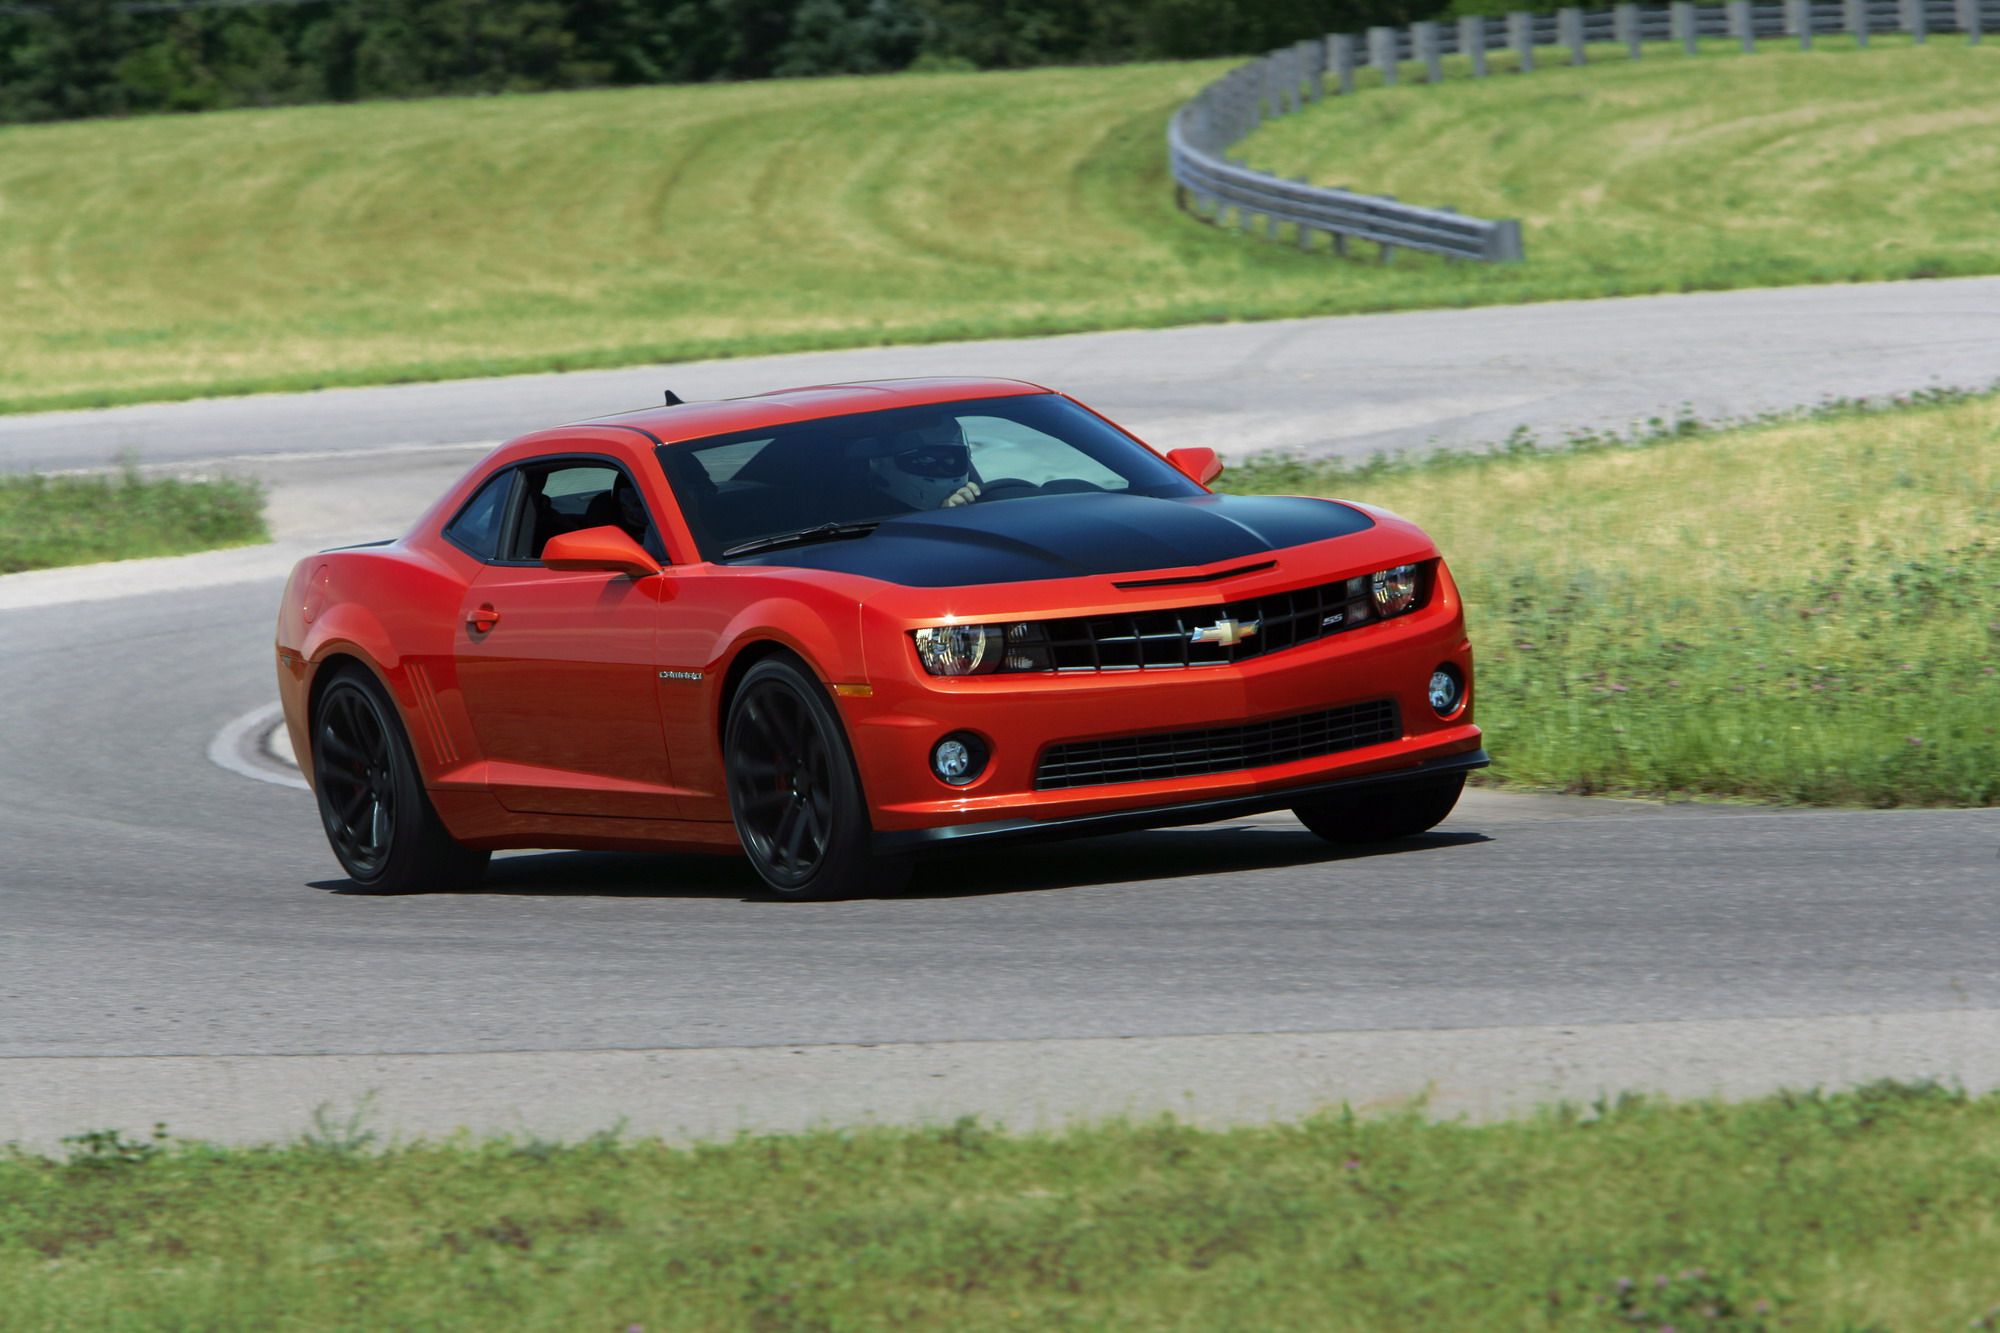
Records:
x=921, y=468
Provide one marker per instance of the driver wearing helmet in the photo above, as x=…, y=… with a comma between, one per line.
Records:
x=926, y=468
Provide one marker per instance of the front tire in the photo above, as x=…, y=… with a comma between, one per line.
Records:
x=794, y=792
x=1384, y=814
x=378, y=818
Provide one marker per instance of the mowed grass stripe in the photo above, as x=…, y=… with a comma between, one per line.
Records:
x=331, y=244
x=1865, y=1210
x=178, y=256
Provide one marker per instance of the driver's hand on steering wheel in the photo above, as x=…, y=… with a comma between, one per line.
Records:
x=964, y=495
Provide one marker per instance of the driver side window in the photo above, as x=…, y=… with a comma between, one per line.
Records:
x=571, y=496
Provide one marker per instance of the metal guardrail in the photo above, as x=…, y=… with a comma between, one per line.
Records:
x=1212, y=184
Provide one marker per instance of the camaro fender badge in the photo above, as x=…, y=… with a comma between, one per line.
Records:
x=680, y=675
x=1228, y=633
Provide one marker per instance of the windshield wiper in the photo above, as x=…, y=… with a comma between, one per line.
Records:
x=825, y=532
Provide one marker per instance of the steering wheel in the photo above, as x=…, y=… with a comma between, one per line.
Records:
x=1007, y=488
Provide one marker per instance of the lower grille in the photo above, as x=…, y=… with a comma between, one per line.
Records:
x=1177, y=754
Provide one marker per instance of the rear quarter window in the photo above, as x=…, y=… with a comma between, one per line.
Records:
x=476, y=530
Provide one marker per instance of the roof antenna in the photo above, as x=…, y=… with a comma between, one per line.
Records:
x=674, y=399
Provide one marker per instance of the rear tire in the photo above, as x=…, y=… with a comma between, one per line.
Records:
x=1384, y=814
x=378, y=818
x=794, y=792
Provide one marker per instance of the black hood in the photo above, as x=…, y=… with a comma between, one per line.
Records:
x=1068, y=536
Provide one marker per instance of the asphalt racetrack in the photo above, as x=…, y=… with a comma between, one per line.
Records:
x=176, y=944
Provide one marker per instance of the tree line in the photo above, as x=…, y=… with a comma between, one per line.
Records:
x=62, y=59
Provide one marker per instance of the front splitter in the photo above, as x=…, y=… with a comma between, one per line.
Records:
x=906, y=842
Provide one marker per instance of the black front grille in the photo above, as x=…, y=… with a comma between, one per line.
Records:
x=1155, y=639
x=1176, y=754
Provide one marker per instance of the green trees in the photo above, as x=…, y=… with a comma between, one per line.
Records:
x=61, y=59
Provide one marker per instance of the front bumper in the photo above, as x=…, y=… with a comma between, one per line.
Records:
x=1018, y=718
x=906, y=841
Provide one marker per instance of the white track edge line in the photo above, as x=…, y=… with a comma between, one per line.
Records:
x=226, y=750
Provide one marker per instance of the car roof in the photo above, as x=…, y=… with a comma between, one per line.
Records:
x=729, y=416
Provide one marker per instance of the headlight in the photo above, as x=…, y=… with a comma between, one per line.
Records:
x=1394, y=591
x=976, y=650
x=959, y=650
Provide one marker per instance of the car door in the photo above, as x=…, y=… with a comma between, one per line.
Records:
x=557, y=668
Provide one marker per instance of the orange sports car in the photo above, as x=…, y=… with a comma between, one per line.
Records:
x=839, y=628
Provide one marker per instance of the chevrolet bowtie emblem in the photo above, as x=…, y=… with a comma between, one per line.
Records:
x=1228, y=633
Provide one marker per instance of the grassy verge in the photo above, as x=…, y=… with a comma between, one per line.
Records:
x=1801, y=611
x=292, y=249
x=49, y=521
x=1870, y=1210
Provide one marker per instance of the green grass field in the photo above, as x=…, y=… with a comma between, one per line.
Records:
x=1806, y=611
x=1873, y=1210
x=234, y=251
x=49, y=521
x=1681, y=174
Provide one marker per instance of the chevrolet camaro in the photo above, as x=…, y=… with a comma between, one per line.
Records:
x=839, y=629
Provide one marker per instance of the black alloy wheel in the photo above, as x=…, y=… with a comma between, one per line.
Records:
x=793, y=790
x=1383, y=814
x=358, y=795
x=371, y=798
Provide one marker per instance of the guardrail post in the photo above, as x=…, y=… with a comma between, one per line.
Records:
x=1424, y=41
x=1681, y=17
x=1382, y=53
x=1569, y=31
x=1968, y=19
x=1340, y=55
x=1521, y=36
x=1799, y=19
x=1472, y=41
x=1739, y=24
x=1305, y=236
x=1312, y=58
x=1857, y=21
x=1625, y=23
x=1915, y=21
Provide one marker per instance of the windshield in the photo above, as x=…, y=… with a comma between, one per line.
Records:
x=837, y=476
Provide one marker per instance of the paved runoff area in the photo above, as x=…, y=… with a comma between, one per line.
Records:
x=178, y=945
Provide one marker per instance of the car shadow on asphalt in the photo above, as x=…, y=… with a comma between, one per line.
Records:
x=1157, y=854
x=1129, y=858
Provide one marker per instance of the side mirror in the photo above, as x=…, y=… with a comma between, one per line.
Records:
x=1200, y=465
x=605, y=548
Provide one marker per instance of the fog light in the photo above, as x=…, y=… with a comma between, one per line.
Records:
x=1445, y=692
x=958, y=759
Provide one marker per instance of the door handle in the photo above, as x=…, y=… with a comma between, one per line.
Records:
x=482, y=620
